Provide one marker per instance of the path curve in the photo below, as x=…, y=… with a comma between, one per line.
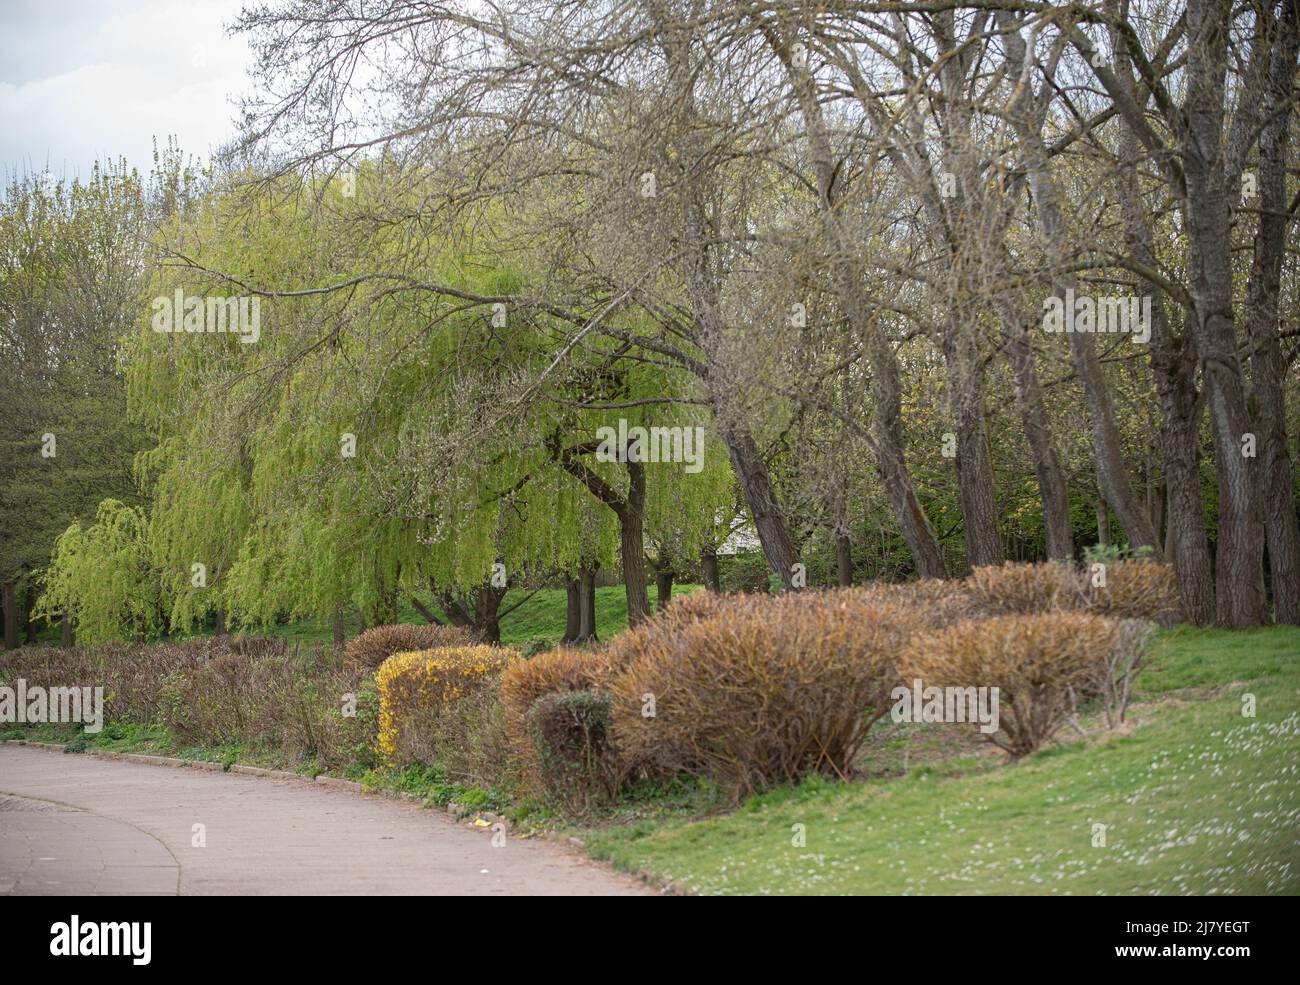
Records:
x=78, y=825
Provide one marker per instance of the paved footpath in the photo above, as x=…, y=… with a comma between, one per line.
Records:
x=77, y=825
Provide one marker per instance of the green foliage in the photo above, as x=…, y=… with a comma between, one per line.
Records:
x=571, y=734
x=104, y=576
x=71, y=262
x=1112, y=554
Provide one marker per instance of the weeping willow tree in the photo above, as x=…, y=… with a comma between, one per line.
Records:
x=369, y=437
x=103, y=575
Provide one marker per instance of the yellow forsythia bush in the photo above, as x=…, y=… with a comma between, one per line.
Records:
x=419, y=682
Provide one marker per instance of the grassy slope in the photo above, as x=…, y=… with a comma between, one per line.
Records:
x=1196, y=799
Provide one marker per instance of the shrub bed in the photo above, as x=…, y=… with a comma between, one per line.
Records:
x=523, y=682
x=221, y=691
x=1026, y=589
x=1124, y=589
x=1137, y=589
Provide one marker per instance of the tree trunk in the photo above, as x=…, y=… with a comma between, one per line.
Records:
x=700, y=274
x=1276, y=478
x=572, y=611
x=28, y=609
x=1173, y=364
x=479, y=611
x=428, y=614
x=586, y=605
x=631, y=538
x=1187, y=546
x=844, y=559
x=979, y=508
x=769, y=520
x=220, y=623
x=340, y=633
x=1103, y=522
x=1052, y=488
x=9, y=593
x=1112, y=471
x=664, y=588
x=630, y=510
x=68, y=637
x=1239, y=553
x=900, y=491
x=709, y=564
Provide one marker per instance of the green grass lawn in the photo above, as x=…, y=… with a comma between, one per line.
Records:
x=541, y=616
x=1195, y=798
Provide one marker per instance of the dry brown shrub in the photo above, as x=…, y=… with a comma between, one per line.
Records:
x=686, y=609
x=1137, y=589
x=1039, y=663
x=1026, y=589
x=131, y=674
x=524, y=681
x=375, y=645
x=762, y=692
x=940, y=602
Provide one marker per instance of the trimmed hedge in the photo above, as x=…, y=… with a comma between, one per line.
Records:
x=1128, y=589
x=571, y=735
x=415, y=688
x=523, y=682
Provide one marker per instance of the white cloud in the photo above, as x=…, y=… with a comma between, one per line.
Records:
x=81, y=83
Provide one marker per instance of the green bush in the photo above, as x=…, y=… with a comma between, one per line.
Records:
x=571, y=736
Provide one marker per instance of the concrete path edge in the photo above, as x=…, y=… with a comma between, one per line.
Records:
x=456, y=811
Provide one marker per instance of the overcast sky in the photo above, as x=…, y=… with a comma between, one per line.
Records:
x=82, y=80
